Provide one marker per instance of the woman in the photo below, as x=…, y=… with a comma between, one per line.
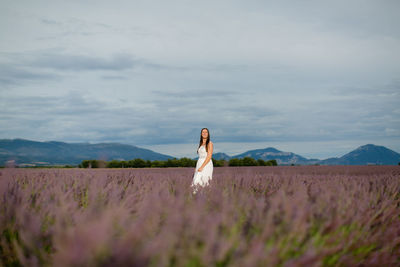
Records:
x=204, y=165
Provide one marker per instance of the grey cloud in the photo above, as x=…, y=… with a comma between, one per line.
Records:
x=193, y=94
x=348, y=118
x=358, y=18
x=65, y=115
x=75, y=26
x=113, y=77
x=82, y=62
x=50, y=21
x=37, y=106
x=18, y=68
x=13, y=74
x=208, y=67
x=254, y=111
x=259, y=71
x=117, y=62
x=390, y=89
x=62, y=115
x=77, y=118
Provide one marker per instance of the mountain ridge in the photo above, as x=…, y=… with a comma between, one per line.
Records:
x=364, y=155
x=29, y=152
x=24, y=151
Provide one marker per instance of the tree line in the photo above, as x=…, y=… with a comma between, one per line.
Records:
x=182, y=162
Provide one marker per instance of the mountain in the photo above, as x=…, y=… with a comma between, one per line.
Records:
x=282, y=158
x=26, y=152
x=365, y=155
x=220, y=155
x=60, y=153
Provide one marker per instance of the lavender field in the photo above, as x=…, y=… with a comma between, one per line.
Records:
x=248, y=216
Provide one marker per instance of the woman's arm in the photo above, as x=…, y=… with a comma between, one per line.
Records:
x=209, y=156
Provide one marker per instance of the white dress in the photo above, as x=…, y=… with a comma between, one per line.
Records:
x=204, y=177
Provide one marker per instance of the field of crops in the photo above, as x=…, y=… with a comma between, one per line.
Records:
x=248, y=216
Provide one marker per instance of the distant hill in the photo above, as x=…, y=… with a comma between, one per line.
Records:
x=220, y=155
x=26, y=152
x=60, y=153
x=281, y=157
x=364, y=155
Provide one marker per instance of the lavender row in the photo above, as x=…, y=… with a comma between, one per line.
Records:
x=248, y=216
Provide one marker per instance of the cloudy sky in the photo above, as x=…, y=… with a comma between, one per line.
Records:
x=317, y=78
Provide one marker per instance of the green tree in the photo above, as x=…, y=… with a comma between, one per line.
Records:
x=84, y=164
x=248, y=161
x=272, y=162
x=182, y=162
x=187, y=162
x=137, y=163
x=261, y=162
x=114, y=164
x=93, y=163
x=172, y=163
x=234, y=162
x=158, y=164
x=218, y=163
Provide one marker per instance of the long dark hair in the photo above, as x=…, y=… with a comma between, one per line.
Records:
x=201, y=140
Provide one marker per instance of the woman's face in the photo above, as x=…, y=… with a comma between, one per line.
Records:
x=204, y=133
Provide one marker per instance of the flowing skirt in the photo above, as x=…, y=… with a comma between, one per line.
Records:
x=204, y=177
